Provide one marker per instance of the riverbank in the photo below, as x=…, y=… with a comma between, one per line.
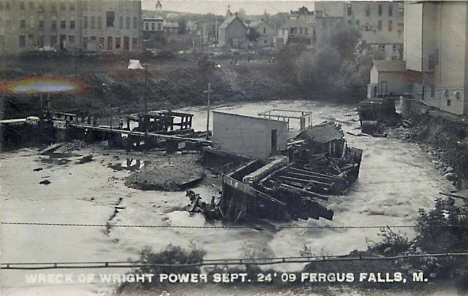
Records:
x=442, y=135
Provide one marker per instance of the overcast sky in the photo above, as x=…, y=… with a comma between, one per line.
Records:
x=220, y=6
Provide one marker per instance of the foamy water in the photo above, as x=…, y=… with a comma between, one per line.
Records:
x=396, y=179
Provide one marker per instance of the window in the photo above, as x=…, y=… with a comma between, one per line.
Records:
x=85, y=43
x=53, y=40
x=117, y=42
x=53, y=7
x=41, y=24
x=110, y=18
x=71, y=40
x=358, y=23
x=367, y=9
x=99, y=22
x=264, y=30
x=53, y=24
x=85, y=22
x=350, y=22
x=306, y=31
x=63, y=24
x=134, y=43
x=85, y=5
x=22, y=24
x=368, y=27
x=41, y=7
x=93, y=22
x=72, y=6
x=135, y=23
x=109, y=43
x=379, y=25
x=400, y=27
x=126, y=45
x=101, y=42
x=449, y=102
x=301, y=31
x=390, y=24
x=147, y=26
x=22, y=41
x=72, y=24
x=349, y=11
x=380, y=9
x=63, y=6
x=120, y=22
x=31, y=5
x=127, y=23
x=153, y=26
x=390, y=10
x=22, y=6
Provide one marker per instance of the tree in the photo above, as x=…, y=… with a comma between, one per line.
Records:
x=182, y=26
x=252, y=34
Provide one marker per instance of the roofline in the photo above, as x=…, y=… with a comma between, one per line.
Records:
x=246, y=116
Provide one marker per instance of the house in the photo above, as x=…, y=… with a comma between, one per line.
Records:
x=295, y=31
x=152, y=27
x=266, y=31
x=435, y=51
x=388, y=78
x=171, y=27
x=250, y=136
x=232, y=33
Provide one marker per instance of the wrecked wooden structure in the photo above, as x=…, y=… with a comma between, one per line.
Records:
x=375, y=112
x=296, y=186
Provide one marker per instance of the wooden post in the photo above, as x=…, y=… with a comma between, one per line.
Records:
x=208, y=112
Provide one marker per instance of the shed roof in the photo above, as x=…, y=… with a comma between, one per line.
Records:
x=390, y=65
x=322, y=133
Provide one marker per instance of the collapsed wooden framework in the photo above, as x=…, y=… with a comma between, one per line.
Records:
x=294, y=187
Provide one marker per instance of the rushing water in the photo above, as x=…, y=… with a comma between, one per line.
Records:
x=396, y=179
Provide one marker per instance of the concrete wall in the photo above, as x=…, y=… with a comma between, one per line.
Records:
x=245, y=135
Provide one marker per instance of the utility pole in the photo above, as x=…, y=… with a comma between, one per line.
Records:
x=208, y=111
x=145, y=120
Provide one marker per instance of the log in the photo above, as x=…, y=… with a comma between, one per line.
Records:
x=454, y=195
x=302, y=191
x=305, y=181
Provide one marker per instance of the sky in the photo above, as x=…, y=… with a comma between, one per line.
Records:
x=253, y=7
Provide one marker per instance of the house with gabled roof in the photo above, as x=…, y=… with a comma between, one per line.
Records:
x=233, y=32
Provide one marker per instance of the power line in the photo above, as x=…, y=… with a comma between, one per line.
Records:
x=219, y=227
x=216, y=262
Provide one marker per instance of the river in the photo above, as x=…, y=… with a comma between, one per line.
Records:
x=396, y=179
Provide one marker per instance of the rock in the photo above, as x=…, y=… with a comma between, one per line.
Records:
x=45, y=182
x=449, y=170
x=450, y=176
x=86, y=159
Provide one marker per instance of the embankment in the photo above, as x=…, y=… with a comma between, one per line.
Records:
x=445, y=133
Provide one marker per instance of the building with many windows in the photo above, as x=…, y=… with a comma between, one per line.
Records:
x=436, y=53
x=381, y=24
x=74, y=25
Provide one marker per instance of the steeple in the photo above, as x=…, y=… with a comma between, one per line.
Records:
x=159, y=7
x=229, y=13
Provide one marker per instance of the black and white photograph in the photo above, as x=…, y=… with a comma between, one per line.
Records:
x=245, y=148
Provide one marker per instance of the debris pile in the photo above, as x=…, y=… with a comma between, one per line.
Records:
x=317, y=163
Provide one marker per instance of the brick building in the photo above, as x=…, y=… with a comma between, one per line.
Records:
x=89, y=25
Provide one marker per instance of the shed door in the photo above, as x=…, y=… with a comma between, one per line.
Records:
x=274, y=141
